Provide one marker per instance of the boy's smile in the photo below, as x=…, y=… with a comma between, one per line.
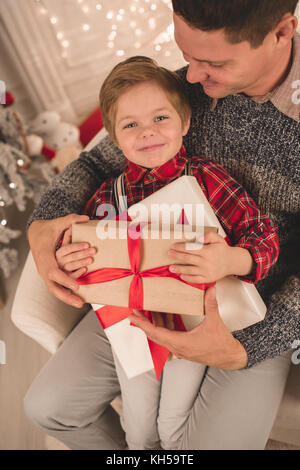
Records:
x=148, y=128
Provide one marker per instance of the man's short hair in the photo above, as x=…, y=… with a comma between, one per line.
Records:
x=135, y=70
x=242, y=20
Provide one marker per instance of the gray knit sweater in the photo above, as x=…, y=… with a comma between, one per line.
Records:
x=260, y=147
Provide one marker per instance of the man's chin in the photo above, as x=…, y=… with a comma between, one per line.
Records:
x=216, y=91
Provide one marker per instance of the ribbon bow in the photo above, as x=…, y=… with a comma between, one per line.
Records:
x=110, y=315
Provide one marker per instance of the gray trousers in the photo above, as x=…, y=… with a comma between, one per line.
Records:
x=70, y=400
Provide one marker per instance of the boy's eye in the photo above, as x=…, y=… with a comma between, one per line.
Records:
x=161, y=118
x=131, y=124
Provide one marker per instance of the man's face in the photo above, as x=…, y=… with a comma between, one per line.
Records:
x=223, y=68
x=148, y=128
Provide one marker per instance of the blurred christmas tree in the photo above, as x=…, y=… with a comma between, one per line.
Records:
x=22, y=177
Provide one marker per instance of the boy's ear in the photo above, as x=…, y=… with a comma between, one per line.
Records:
x=186, y=127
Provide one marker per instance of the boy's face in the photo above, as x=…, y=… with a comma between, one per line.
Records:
x=148, y=128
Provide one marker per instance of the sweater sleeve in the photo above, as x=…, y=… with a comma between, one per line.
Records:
x=71, y=189
x=246, y=226
x=280, y=328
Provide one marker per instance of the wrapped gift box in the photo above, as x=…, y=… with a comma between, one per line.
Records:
x=240, y=305
x=163, y=294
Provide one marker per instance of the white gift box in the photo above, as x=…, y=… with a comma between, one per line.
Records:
x=240, y=305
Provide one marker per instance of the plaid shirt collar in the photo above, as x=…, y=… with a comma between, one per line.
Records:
x=166, y=172
x=285, y=96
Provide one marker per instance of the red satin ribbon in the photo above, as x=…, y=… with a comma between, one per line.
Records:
x=135, y=300
x=109, y=315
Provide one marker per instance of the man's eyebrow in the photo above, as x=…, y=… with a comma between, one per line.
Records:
x=213, y=61
x=227, y=61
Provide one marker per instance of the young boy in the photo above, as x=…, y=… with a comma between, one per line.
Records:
x=146, y=113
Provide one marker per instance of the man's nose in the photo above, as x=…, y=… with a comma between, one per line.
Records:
x=196, y=73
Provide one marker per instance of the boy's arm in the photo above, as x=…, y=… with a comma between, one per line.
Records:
x=246, y=226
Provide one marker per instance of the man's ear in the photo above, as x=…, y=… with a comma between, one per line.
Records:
x=186, y=127
x=286, y=28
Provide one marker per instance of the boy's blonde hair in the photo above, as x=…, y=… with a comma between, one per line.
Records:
x=139, y=69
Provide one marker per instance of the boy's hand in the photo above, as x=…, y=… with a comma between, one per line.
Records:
x=74, y=257
x=213, y=260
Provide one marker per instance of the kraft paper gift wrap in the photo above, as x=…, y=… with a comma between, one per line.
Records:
x=161, y=294
x=240, y=305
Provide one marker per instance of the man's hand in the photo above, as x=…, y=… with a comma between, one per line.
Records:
x=211, y=262
x=43, y=236
x=210, y=343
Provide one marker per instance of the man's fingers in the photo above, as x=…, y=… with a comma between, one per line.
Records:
x=68, y=220
x=210, y=303
x=61, y=278
x=157, y=319
x=169, y=321
x=64, y=223
x=64, y=295
x=162, y=336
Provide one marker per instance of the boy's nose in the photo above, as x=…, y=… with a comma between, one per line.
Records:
x=147, y=132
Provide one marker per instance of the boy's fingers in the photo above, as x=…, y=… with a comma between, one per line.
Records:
x=78, y=273
x=182, y=269
x=196, y=279
x=77, y=250
x=73, y=265
x=213, y=237
x=67, y=237
x=184, y=256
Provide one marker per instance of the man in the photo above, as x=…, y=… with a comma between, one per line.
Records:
x=242, y=79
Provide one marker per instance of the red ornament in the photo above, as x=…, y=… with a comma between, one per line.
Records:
x=48, y=152
x=9, y=99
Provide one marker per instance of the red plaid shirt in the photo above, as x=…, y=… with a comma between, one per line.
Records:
x=241, y=219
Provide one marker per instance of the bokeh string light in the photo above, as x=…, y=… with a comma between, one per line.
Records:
x=135, y=17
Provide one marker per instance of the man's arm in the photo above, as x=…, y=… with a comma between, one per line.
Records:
x=281, y=326
x=70, y=190
x=210, y=343
x=68, y=194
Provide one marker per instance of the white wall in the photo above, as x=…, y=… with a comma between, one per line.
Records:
x=46, y=72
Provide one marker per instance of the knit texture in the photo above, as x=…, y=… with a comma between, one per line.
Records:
x=260, y=147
